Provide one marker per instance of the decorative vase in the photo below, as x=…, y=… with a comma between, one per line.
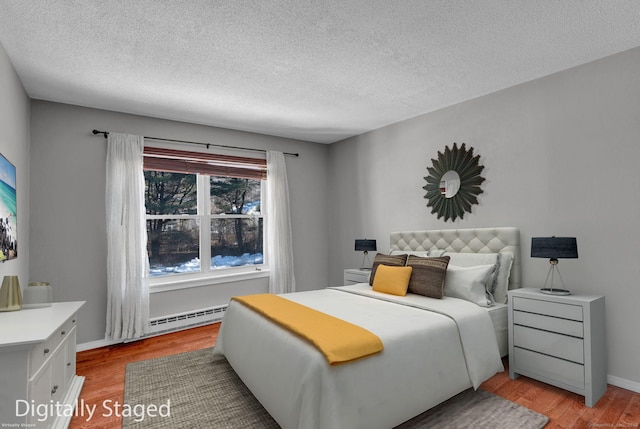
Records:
x=38, y=294
x=10, y=295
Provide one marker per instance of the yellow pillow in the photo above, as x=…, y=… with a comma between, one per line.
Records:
x=392, y=280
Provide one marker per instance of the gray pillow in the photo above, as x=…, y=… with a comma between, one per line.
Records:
x=428, y=275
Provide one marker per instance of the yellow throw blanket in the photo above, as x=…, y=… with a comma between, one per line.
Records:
x=339, y=341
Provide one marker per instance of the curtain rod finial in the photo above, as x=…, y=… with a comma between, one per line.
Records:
x=105, y=133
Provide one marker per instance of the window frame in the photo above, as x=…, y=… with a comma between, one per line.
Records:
x=207, y=274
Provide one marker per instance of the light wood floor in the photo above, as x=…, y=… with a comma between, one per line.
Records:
x=104, y=370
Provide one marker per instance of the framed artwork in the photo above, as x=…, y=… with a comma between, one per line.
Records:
x=8, y=212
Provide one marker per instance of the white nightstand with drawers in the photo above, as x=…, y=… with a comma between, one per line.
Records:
x=559, y=340
x=356, y=275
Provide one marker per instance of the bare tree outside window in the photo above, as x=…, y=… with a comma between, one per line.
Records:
x=236, y=229
x=174, y=220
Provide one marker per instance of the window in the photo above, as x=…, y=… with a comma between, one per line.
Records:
x=236, y=222
x=203, y=213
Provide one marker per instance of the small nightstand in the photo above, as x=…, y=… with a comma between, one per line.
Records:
x=559, y=340
x=356, y=275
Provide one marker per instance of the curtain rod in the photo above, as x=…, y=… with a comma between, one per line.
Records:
x=106, y=133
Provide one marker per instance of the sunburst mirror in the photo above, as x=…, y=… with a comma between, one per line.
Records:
x=453, y=182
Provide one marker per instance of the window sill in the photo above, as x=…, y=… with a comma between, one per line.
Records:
x=176, y=284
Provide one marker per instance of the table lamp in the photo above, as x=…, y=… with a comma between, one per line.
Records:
x=554, y=248
x=365, y=246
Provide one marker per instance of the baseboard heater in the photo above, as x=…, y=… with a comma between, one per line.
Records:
x=177, y=322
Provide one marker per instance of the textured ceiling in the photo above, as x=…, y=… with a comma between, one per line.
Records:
x=316, y=70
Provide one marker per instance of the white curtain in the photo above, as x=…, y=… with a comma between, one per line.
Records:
x=127, y=259
x=279, y=242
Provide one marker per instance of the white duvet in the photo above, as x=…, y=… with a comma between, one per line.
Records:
x=433, y=350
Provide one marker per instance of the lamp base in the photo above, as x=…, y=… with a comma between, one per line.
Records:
x=365, y=257
x=554, y=291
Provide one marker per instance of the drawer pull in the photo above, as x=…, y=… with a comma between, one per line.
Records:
x=63, y=332
x=46, y=351
x=73, y=321
x=55, y=389
x=68, y=363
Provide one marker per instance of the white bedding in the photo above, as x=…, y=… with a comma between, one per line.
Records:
x=500, y=320
x=424, y=361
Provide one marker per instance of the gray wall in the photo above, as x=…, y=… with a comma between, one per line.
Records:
x=14, y=145
x=561, y=158
x=68, y=236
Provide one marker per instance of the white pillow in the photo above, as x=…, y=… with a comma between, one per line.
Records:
x=498, y=284
x=502, y=277
x=422, y=253
x=469, y=283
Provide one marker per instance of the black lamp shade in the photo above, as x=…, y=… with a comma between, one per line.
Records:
x=365, y=245
x=554, y=247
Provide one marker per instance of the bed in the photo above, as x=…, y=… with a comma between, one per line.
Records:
x=482, y=242
x=433, y=348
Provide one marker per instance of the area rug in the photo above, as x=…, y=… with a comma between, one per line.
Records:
x=200, y=390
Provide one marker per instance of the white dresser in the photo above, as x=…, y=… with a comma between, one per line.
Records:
x=38, y=365
x=559, y=340
x=356, y=275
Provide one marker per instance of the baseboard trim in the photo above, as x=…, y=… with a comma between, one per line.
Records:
x=96, y=344
x=105, y=342
x=623, y=383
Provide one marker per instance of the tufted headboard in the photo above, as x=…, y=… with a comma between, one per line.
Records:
x=472, y=240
